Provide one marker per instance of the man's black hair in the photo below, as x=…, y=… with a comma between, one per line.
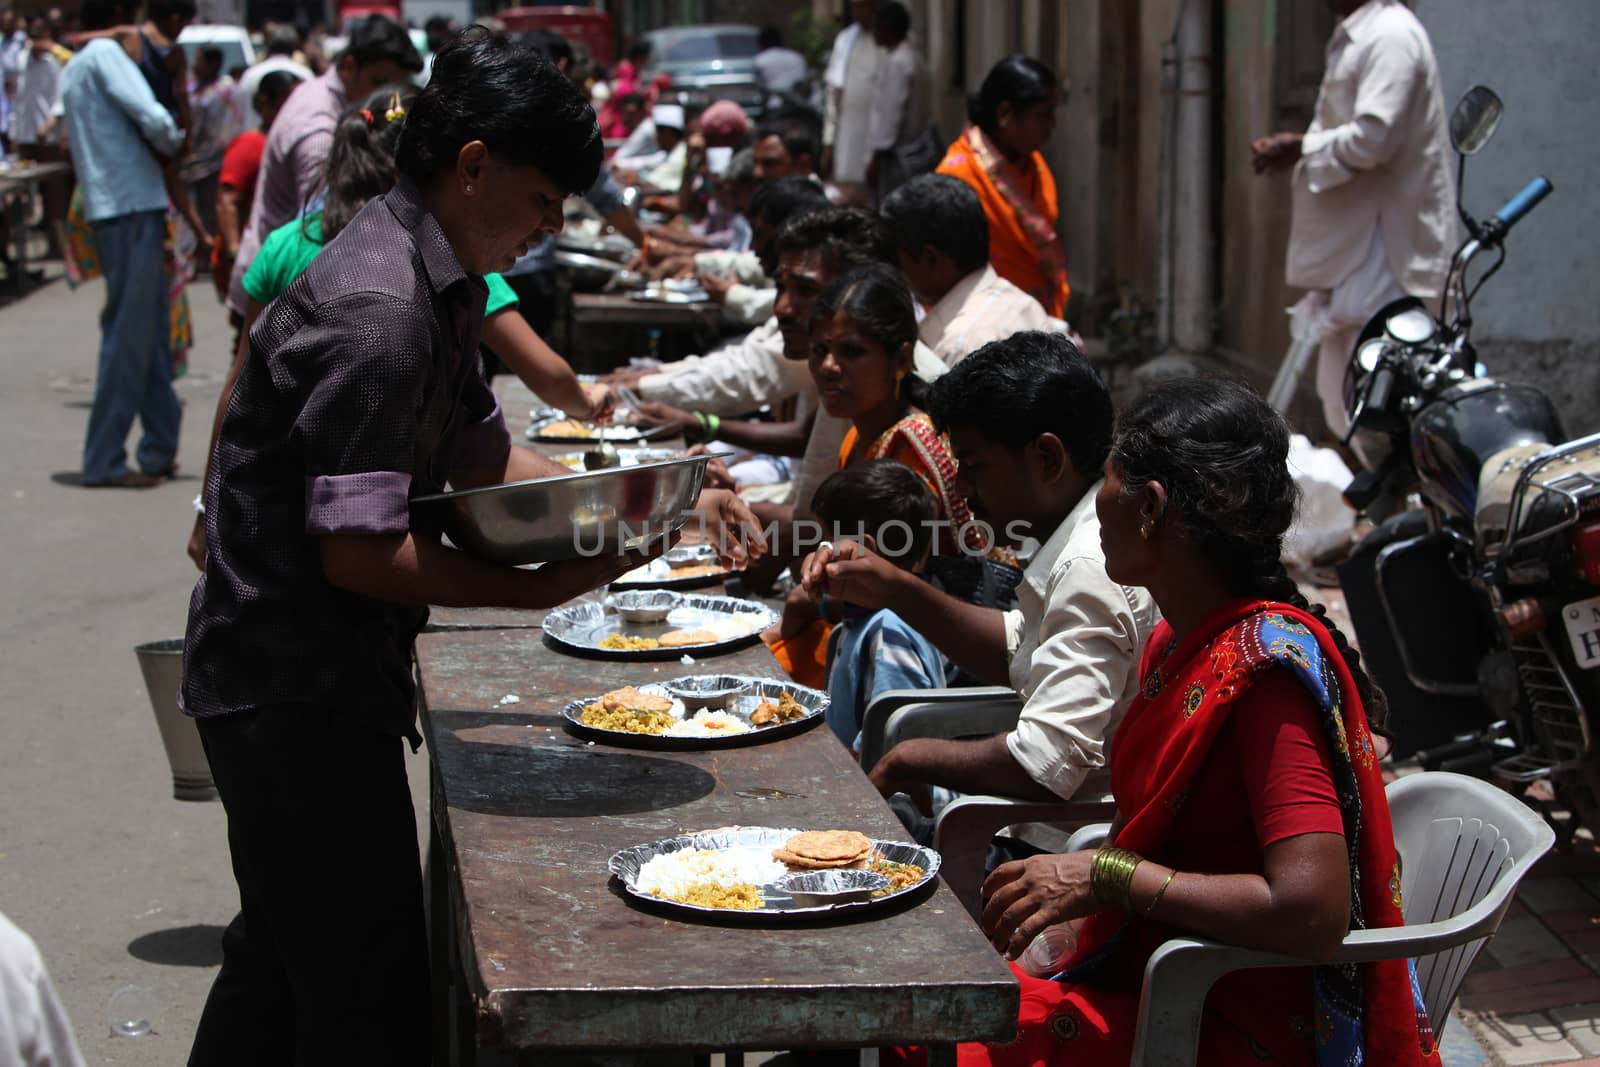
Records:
x=632, y=98
x=376, y=39
x=866, y=497
x=798, y=138
x=1032, y=383
x=554, y=46
x=893, y=19
x=156, y=10
x=777, y=201
x=276, y=85
x=938, y=210
x=282, y=40
x=848, y=237
x=514, y=100
x=769, y=37
x=103, y=14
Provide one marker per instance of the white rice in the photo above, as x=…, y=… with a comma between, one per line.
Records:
x=709, y=724
x=672, y=873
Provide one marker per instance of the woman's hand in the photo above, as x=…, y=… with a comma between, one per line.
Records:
x=737, y=532
x=717, y=474
x=197, y=543
x=655, y=413
x=1023, y=897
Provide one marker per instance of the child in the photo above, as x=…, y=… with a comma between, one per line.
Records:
x=884, y=504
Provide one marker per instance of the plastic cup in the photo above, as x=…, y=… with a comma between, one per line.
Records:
x=131, y=1011
x=1048, y=952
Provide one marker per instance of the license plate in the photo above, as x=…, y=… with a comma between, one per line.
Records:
x=1583, y=630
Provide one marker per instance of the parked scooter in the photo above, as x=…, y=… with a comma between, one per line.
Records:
x=1479, y=612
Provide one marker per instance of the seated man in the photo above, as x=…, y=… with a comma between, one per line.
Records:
x=1030, y=425
x=666, y=125
x=885, y=505
x=941, y=241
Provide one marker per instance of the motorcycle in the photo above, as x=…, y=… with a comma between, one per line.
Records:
x=1478, y=612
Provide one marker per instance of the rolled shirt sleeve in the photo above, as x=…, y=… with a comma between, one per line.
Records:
x=1385, y=97
x=484, y=442
x=124, y=83
x=356, y=433
x=1078, y=677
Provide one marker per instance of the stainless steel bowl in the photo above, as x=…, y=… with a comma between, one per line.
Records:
x=571, y=515
x=645, y=605
x=812, y=889
x=588, y=273
x=680, y=556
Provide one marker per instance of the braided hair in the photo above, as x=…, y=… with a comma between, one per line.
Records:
x=1221, y=453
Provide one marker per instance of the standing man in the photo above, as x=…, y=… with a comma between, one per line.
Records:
x=1374, y=201
x=900, y=132
x=214, y=112
x=781, y=73
x=852, y=71
x=13, y=52
x=33, y=137
x=114, y=124
x=379, y=53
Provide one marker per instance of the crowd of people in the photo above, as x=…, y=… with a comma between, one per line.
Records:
x=899, y=299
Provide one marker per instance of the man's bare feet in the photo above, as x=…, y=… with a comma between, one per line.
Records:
x=126, y=480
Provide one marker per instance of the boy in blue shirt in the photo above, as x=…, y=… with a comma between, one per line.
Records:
x=886, y=506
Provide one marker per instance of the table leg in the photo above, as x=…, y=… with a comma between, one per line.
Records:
x=941, y=1056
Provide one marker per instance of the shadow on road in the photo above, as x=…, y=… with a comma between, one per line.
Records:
x=198, y=945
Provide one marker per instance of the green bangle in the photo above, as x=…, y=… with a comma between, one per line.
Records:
x=822, y=608
x=713, y=425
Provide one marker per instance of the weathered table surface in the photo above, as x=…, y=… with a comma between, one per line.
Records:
x=556, y=958
x=619, y=309
x=31, y=175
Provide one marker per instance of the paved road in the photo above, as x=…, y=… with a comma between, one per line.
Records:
x=118, y=882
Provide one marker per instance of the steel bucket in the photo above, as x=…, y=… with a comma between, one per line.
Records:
x=162, y=664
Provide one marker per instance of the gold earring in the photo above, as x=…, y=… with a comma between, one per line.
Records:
x=1147, y=528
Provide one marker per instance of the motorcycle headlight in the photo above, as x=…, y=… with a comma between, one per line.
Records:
x=1413, y=326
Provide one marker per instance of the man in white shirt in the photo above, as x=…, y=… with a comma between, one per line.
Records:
x=1030, y=425
x=282, y=42
x=1374, y=201
x=665, y=160
x=34, y=1028
x=780, y=72
x=900, y=136
x=941, y=240
x=852, y=70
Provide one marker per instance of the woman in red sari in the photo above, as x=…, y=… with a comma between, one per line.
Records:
x=1250, y=805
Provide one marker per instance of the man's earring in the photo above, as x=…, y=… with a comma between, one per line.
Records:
x=469, y=188
x=1146, y=528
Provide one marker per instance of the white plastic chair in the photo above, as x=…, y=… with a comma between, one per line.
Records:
x=1464, y=845
x=963, y=830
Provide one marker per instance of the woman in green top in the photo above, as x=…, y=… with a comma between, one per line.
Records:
x=360, y=167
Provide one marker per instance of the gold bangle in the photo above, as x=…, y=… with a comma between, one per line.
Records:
x=1150, y=907
x=1111, y=876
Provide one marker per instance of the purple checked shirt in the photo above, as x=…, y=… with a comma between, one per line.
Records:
x=363, y=389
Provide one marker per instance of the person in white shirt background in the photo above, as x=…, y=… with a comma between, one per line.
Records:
x=282, y=41
x=781, y=73
x=36, y=102
x=941, y=241
x=901, y=140
x=666, y=133
x=1374, y=202
x=13, y=50
x=852, y=71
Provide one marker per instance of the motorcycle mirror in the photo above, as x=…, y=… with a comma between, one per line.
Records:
x=1476, y=117
x=1413, y=326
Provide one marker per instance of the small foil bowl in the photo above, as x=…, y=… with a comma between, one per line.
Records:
x=690, y=556
x=820, y=889
x=645, y=605
x=715, y=691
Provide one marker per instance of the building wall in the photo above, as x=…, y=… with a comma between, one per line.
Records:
x=1537, y=320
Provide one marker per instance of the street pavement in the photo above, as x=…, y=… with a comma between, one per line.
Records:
x=120, y=884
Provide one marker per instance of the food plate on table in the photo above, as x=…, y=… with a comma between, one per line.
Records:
x=761, y=874
x=699, y=626
x=559, y=430
x=631, y=457
x=698, y=711
x=680, y=567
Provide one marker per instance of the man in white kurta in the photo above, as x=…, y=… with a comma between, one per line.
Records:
x=851, y=75
x=1374, y=202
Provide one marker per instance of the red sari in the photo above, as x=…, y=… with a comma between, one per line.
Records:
x=1163, y=770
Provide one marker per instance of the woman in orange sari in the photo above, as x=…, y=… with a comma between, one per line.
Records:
x=1013, y=116
x=1250, y=804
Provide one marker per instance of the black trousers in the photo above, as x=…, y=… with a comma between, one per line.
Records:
x=327, y=960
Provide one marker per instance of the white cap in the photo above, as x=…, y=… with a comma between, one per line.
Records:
x=717, y=160
x=668, y=115
x=600, y=91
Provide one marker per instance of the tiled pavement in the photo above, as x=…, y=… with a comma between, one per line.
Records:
x=1534, y=994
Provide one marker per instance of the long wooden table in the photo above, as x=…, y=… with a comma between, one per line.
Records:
x=538, y=952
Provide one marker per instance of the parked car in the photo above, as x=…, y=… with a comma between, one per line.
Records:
x=717, y=61
x=237, y=48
